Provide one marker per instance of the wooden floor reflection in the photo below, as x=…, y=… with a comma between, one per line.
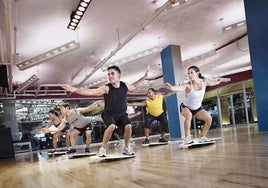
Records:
x=238, y=160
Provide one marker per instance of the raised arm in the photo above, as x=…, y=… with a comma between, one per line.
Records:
x=84, y=91
x=134, y=85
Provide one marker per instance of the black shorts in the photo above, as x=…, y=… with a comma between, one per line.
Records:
x=88, y=127
x=192, y=111
x=120, y=120
x=162, y=118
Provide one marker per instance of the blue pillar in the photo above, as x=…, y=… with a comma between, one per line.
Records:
x=173, y=74
x=257, y=27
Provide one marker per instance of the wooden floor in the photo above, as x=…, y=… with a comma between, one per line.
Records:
x=239, y=159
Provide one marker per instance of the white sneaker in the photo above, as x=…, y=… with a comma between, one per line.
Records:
x=128, y=151
x=204, y=139
x=102, y=152
x=188, y=140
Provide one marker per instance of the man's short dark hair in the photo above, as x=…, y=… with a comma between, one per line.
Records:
x=115, y=68
x=152, y=89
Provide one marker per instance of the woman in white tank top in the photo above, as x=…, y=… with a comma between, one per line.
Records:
x=195, y=89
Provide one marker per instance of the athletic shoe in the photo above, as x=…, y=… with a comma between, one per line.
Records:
x=87, y=150
x=102, y=152
x=128, y=151
x=204, y=139
x=146, y=141
x=162, y=140
x=188, y=140
x=71, y=151
x=119, y=142
x=52, y=151
x=132, y=141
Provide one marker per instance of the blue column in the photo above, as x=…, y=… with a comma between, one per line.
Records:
x=173, y=74
x=257, y=27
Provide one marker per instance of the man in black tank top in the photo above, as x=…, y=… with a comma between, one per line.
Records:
x=114, y=114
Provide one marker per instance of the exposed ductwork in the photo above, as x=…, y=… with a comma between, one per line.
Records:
x=131, y=36
x=237, y=48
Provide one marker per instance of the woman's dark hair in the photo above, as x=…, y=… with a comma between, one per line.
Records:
x=196, y=69
x=54, y=112
x=65, y=105
x=115, y=68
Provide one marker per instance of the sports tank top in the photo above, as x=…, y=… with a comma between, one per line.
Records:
x=155, y=107
x=116, y=99
x=57, y=124
x=77, y=120
x=194, y=98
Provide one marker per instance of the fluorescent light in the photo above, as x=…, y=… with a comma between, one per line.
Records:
x=133, y=57
x=240, y=24
x=233, y=71
x=234, y=26
x=97, y=82
x=77, y=15
x=200, y=57
x=48, y=55
x=33, y=79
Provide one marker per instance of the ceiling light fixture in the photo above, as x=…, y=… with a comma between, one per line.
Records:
x=129, y=38
x=33, y=79
x=48, y=55
x=102, y=81
x=178, y=2
x=233, y=71
x=234, y=26
x=133, y=57
x=200, y=57
x=77, y=15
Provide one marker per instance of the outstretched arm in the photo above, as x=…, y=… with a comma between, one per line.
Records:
x=143, y=103
x=93, y=106
x=46, y=128
x=85, y=91
x=134, y=85
x=216, y=81
x=179, y=87
x=130, y=116
x=169, y=94
x=62, y=125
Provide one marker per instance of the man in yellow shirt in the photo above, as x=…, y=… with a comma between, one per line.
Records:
x=155, y=111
